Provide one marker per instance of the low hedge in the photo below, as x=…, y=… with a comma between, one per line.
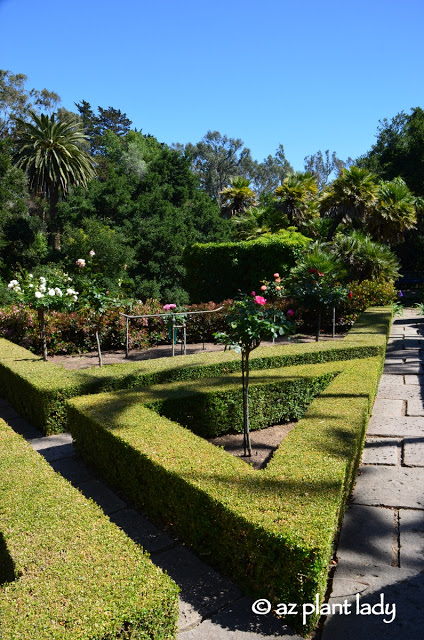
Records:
x=271, y=531
x=65, y=570
x=38, y=389
x=212, y=407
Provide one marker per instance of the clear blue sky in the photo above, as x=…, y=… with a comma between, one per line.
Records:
x=310, y=75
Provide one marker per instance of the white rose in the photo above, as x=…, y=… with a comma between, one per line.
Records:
x=58, y=292
x=39, y=295
x=51, y=292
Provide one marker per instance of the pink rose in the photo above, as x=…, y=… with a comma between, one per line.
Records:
x=276, y=275
x=259, y=300
x=263, y=288
x=290, y=313
x=253, y=294
x=80, y=262
x=92, y=253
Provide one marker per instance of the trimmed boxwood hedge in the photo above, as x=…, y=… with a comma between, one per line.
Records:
x=212, y=407
x=272, y=531
x=38, y=389
x=219, y=270
x=65, y=570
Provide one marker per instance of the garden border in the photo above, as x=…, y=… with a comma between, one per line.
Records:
x=65, y=569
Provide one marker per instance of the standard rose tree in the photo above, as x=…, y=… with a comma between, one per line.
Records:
x=53, y=291
x=249, y=322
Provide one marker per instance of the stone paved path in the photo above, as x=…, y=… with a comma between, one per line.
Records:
x=381, y=547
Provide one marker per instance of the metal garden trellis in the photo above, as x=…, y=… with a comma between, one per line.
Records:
x=174, y=325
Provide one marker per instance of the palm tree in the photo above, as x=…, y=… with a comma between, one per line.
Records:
x=365, y=259
x=349, y=198
x=51, y=151
x=396, y=212
x=298, y=197
x=237, y=197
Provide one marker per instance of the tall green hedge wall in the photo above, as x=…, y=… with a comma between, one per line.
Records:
x=218, y=271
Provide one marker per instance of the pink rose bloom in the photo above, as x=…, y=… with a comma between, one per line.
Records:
x=263, y=288
x=276, y=275
x=92, y=253
x=165, y=307
x=80, y=262
x=259, y=300
x=253, y=294
x=278, y=288
x=290, y=313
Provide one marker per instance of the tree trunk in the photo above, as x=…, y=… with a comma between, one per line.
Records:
x=42, y=323
x=245, y=382
x=99, y=351
x=318, y=326
x=54, y=231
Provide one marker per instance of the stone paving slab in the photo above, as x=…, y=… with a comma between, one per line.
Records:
x=400, y=487
x=24, y=428
x=414, y=452
x=415, y=406
x=413, y=343
x=411, y=526
x=399, y=392
x=142, y=530
x=238, y=622
x=72, y=469
x=391, y=380
x=107, y=499
x=203, y=590
x=366, y=538
x=388, y=408
x=46, y=442
x=403, y=426
x=382, y=451
x=406, y=368
x=415, y=379
x=403, y=588
x=394, y=351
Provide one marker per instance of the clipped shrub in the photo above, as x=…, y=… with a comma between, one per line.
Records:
x=38, y=390
x=213, y=407
x=272, y=530
x=66, y=571
x=220, y=270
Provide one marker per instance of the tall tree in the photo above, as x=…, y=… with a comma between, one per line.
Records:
x=322, y=166
x=349, y=198
x=17, y=101
x=266, y=176
x=95, y=126
x=217, y=159
x=399, y=150
x=52, y=153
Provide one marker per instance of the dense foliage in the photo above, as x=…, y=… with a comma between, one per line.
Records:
x=145, y=208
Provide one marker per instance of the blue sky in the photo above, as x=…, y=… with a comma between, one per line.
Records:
x=309, y=75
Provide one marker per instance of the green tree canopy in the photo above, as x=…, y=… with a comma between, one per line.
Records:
x=399, y=150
